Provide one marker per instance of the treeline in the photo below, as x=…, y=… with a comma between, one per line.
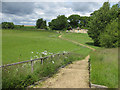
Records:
x=10, y=25
x=60, y=23
x=103, y=26
x=64, y=23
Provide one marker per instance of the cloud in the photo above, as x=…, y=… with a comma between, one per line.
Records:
x=29, y=12
x=85, y=7
x=17, y=8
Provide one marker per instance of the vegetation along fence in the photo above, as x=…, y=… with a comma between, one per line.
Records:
x=33, y=61
x=25, y=73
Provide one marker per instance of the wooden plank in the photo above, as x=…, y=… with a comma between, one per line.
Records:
x=28, y=61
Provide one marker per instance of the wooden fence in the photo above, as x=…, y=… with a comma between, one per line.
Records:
x=32, y=61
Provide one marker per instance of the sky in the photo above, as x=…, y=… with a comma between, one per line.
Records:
x=26, y=13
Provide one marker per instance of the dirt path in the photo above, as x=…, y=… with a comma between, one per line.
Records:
x=76, y=42
x=75, y=75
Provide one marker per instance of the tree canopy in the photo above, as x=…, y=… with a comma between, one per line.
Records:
x=60, y=23
x=101, y=22
x=41, y=24
x=7, y=25
x=84, y=22
x=74, y=20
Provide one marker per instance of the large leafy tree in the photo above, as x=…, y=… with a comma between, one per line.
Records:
x=98, y=22
x=74, y=20
x=84, y=21
x=103, y=26
x=41, y=24
x=109, y=38
x=60, y=23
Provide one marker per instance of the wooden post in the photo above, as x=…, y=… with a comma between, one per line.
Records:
x=58, y=56
x=51, y=57
x=42, y=61
x=32, y=66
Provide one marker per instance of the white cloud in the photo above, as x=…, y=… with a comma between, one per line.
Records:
x=45, y=10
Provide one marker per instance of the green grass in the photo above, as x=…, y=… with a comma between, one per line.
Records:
x=82, y=38
x=21, y=76
x=104, y=67
x=17, y=45
x=24, y=27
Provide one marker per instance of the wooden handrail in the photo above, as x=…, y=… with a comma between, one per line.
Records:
x=31, y=60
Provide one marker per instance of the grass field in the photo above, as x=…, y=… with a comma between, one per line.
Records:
x=82, y=38
x=17, y=45
x=104, y=67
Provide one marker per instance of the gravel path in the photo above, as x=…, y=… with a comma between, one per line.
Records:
x=75, y=75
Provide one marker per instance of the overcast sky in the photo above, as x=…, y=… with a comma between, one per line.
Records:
x=26, y=13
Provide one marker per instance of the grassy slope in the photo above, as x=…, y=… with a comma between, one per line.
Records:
x=82, y=38
x=17, y=45
x=104, y=67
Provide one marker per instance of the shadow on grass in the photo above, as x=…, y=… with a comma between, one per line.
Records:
x=90, y=43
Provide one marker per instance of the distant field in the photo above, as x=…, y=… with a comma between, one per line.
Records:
x=104, y=67
x=17, y=45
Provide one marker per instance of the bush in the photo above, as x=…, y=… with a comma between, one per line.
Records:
x=18, y=26
x=7, y=25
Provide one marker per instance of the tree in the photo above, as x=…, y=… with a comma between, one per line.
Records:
x=41, y=24
x=60, y=23
x=104, y=25
x=74, y=20
x=84, y=22
x=109, y=38
x=7, y=25
x=99, y=20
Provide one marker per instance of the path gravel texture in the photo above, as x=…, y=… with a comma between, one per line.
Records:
x=75, y=75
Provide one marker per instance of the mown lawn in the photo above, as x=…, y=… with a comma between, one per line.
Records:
x=104, y=67
x=17, y=45
x=82, y=38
